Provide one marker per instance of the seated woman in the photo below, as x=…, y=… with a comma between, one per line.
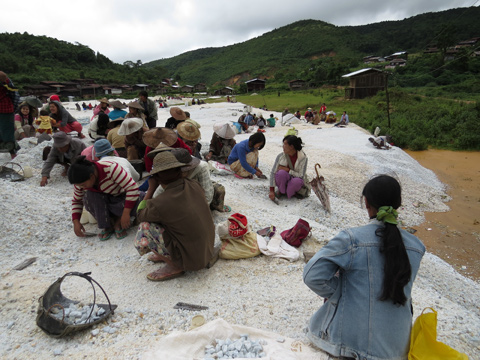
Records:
x=190, y=134
x=117, y=111
x=65, y=122
x=366, y=275
x=117, y=140
x=133, y=131
x=99, y=126
x=135, y=110
x=243, y=159
x=176, y=225
x=289, y=170
x=108, y=193
x=221, y=144
x=24, y=120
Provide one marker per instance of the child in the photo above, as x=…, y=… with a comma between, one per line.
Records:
x=45, y=122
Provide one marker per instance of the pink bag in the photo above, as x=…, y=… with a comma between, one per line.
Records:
x=295, y=235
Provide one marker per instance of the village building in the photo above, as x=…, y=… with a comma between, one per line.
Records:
x=201, y=87
x=365, y=82
x=224, y=91
x=255, y=85
x=297, y=84
x=186, y=89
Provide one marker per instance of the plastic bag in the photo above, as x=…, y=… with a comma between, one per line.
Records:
x=423, y=340
x=242, y=247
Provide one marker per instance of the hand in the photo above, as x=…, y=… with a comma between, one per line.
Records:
x=259, y=173
x=44, y=181
x=125, y=220
x=271, y=195
x=78, y=228
x=284, y=168
x=209, y=156
x=3, y=77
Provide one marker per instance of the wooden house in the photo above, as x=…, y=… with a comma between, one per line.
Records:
x=255, y=85
x=201, y=87
x=224, y=91
x=186, y=89
x=297, y=84
x=365, y=82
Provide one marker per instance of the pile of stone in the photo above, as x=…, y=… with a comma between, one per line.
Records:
x=76, y=314
x=244, y=347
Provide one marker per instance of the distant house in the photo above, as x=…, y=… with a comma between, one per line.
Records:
x=186, y=88
x=397, y=55
x=37, y=90
x=468, y=43
x=255, y=85
x=431, y=50
x=201, y=87
x=373, y=59
x=297, y=84
x=224, y=91
x=139, y=87
x=396, y=62
x=365, y=82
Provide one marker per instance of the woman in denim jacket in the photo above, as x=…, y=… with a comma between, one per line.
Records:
x=366, y=274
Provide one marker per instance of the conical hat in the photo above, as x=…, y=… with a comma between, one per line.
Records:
x=188, y=131
x=129, y=126
x=161, y=147
x=177, y=113
x=224, y=130
x=155, y=136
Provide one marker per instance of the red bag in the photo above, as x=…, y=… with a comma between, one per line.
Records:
x=295, y=235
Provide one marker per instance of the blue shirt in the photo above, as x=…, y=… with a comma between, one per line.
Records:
x=239, y=152
x=116, y=113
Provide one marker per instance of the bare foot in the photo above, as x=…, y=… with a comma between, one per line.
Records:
x=165, y=273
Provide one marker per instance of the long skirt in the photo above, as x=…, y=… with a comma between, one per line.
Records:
x=105, y=206
x=150, y=238
x=252, y=158
x=7, y=133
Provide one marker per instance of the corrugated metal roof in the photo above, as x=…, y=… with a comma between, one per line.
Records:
x=256, y=79
x=360, y=72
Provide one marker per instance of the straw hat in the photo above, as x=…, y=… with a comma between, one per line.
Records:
x=191, y=121
x=184, y=157
x=188, y=131
x=177, y=113
x=129, y=126
x=135, y=105
x=117, y=104
x=161, y=147
x=103, y=100
x=224, y=130
x=155, y=136
x=165, y=160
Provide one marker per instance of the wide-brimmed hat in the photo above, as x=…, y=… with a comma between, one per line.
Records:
x=161, y=147
x=177, y=113
x=191, y=121
x=61, y=139
x=135, y=105
x=102, y=147
x=104, y=100
x=224, y=130
x=33, y=101
x=155, y=136
x=188, y=131
x=165, y=160
x=117, y=104
x=129, y=126
x=184, y=156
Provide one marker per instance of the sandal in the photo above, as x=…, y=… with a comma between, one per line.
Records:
x=105, y=234
x=163, y=274
x=120, y=234
x=156, y=259
x=227, y=208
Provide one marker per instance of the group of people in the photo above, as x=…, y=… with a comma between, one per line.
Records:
x=365, y=274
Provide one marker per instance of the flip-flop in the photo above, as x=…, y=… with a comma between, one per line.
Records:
x=120, y=234
x=159, y=275
x=105, y=234
x=227, y=208
x=153, y=258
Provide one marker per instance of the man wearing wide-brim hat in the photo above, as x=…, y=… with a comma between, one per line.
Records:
x=101, y=108
x=177, y=116
x=64, y=151
x=176, y=225
x=117, y=111
x=221, y=144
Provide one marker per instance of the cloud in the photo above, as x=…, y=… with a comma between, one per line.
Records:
x=148, y=30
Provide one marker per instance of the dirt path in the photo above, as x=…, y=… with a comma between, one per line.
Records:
x=454, y=235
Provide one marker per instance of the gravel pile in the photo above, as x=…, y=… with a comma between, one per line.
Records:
x=260, y=292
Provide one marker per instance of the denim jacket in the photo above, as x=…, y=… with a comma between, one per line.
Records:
x=354, y=322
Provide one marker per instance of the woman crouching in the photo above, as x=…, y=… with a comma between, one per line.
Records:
x=108, y=192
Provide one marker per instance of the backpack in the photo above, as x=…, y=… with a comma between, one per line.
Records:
x=295, y=235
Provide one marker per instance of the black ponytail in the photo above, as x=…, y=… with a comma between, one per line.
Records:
x=381, y=191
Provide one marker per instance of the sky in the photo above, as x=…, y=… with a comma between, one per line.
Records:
x=149, y=30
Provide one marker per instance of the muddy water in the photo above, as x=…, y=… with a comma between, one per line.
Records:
x=454, y=236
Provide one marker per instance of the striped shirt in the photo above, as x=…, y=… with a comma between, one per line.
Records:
x=112, y=180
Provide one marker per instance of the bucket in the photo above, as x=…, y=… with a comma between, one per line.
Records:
x=27, y=171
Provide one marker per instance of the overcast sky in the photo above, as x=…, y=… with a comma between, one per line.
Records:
x=148, y=30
